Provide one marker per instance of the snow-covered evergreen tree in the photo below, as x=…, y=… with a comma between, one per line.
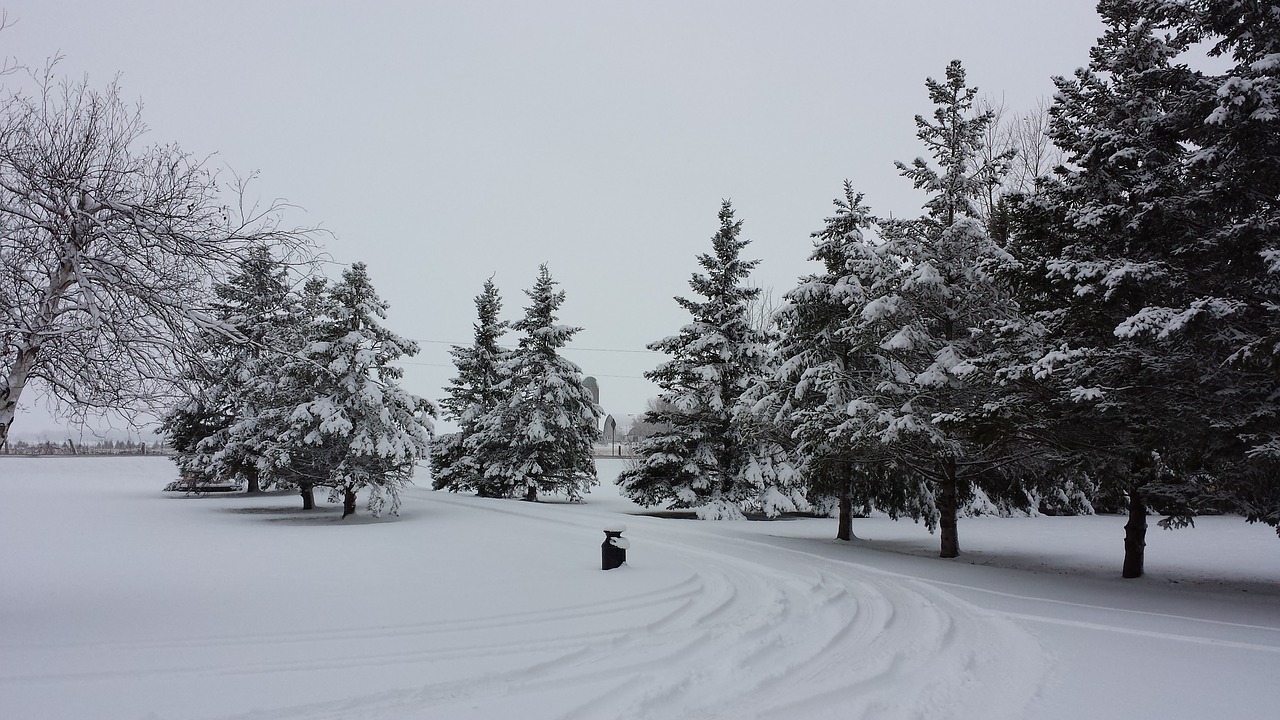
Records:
x=225, y=389
x=472, y=395
x=773, y=478
x=1158, y=247
x=1118, y=241
x=1232, y=271
x=825, y=361
x=350, y=425
x=701, y=457
x=540, y=436
x=927, y=399
x=286, y=380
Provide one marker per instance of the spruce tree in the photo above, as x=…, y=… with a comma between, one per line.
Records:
x=349, y=420
x=250, y=307
x=540, y=436
x=701, y=457
x=827, y=360
x=287, y=382
x=472, y=395
x=1116, y=241
x=1233, y=270
x=928, y=398
x=773, y=479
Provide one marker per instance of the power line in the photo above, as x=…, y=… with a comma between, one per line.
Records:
x=443, y=365
x=584, y=349
x=415, y=362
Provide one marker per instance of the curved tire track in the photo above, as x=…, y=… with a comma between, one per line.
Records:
x=753, y=631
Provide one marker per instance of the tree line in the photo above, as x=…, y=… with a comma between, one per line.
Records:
x=1103, y=326
x=136, y=278
x=297, y=387
x=527, y=424
x=1109, y=330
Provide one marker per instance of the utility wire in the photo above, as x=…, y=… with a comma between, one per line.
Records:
x=443, y=365
x=508, y=347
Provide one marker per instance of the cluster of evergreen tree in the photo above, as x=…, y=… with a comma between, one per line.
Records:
x=526, y=422
x=1112, y=334
x=298, y=389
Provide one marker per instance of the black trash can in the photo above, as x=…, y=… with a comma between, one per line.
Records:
x=613, y=551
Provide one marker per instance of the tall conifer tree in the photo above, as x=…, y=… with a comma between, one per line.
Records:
x=347, y=415
x=540, y=436
x=474, y=393
x=935, y=319
x=827, y=360
x=700, y=458
x=1114, y=240
x=227, y=392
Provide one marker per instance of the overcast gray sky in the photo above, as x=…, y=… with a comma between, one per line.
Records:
x=444, y=142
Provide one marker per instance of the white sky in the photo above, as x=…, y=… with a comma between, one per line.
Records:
x=445, y=142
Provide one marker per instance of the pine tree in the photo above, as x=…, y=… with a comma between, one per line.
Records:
x=773, y=480
x=250, y=307
x=288, y=381
x=1233, y=271
x=701, y=457
x=1115, y=240
x=350, y=425
x=540, y=437
x=825, y=360
x=928, y=399
x=472, y=395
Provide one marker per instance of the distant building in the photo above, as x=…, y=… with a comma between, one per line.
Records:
x=591, y=384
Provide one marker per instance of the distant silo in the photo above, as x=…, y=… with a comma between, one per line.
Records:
x=591, y=384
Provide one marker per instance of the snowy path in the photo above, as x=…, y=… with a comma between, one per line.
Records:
x=133, y=605
x=748, y=630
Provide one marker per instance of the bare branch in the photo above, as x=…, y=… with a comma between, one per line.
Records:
x=109, y=249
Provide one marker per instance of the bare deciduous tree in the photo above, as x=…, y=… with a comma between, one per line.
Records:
x=1024, y=134
x=761, y=309
x=1037, y=155
x=107, y=250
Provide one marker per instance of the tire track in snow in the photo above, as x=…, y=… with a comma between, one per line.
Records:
x=676, y=595
x=755, y=632
x=678, y=591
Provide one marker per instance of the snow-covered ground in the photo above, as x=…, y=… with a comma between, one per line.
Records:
x=119, y=601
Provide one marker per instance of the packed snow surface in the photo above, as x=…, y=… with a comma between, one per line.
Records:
x=120, y=601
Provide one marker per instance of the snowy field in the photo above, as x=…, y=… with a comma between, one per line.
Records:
x=120, y=601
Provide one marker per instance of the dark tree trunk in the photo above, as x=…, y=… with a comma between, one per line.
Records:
x=531, y=493
x=1135, y=535
x=348, y=502
x=844, y=528
x=948, y=502
x=307, y=491
x=252, y=486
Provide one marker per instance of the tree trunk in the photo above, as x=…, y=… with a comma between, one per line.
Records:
x=531, y=493
x=252, y=487
x=844, y=528
x=948, y=502
x=29, y=344
x=1135, y=535
x=12, y=390
x=308, y=496
x=348, y=502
